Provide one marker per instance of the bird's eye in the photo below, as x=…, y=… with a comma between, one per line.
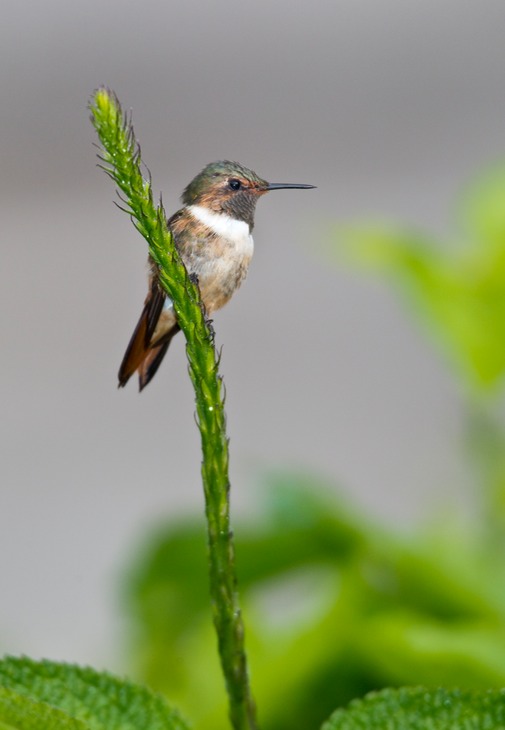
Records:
x=234, y=184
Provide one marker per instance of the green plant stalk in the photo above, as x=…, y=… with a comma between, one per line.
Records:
x=120, y=155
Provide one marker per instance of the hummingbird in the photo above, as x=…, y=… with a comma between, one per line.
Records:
x=212, y=232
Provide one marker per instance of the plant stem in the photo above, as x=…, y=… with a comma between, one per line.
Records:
x=120, y=155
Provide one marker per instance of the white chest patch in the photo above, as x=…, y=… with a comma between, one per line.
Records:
x=237, y=232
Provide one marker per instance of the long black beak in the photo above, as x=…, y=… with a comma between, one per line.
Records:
x=281, y=186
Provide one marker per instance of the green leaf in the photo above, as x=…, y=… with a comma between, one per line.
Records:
x=51, y=695
x=422, y=709
x=20, y=713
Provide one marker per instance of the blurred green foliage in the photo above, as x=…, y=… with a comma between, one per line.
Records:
x=457, y=291
x=457, y=294
x=335, y=605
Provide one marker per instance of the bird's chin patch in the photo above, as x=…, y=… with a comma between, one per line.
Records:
x=221, y=224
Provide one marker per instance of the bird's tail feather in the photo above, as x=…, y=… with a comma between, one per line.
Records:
x=152, y=361
x=142, y=354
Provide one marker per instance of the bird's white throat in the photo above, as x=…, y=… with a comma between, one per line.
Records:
x=238, y=232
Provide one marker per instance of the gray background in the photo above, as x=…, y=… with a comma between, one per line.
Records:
x=386, y=105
